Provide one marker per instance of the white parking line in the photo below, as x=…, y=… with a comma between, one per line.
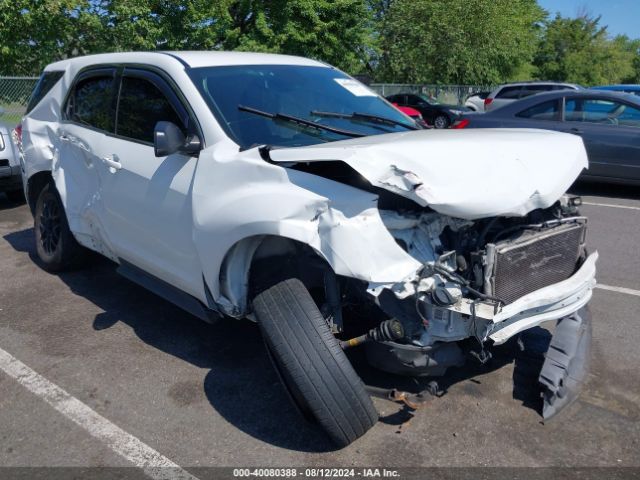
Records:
x=612, y=205
x=628, y=291
x=126, y=445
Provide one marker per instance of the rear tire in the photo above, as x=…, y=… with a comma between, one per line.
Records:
x=441, y=121
x=56, y=247
x=313, y=367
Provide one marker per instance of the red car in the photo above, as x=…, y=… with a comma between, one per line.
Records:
x=415, y=114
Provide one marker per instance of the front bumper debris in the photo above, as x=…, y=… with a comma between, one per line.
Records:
x=567, y=362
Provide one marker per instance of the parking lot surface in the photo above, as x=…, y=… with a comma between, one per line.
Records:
x=205, y=395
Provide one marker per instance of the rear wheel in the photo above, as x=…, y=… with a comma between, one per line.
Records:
x=441, y=121
x=311, y=364
x=57, y=248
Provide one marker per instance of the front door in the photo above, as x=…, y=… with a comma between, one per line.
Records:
x=611, y=133
x=147, y=199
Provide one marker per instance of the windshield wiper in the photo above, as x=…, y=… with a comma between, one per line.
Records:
x=365, y=116
x=283, y=117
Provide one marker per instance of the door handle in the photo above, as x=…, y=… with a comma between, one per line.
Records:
x=111, y=162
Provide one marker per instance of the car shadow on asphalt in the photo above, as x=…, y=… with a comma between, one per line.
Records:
x=525, y=352
x=241, y=384
x=6, y=203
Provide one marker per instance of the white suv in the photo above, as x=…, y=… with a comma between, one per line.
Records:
x=280, y=189
x=511, y=92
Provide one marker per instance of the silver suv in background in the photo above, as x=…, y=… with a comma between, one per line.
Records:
x=10, y=173
x=510, y=92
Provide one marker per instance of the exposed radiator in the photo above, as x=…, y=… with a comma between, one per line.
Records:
x=533, y=260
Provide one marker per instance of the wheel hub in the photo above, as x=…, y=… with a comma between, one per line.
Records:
x=49, y=226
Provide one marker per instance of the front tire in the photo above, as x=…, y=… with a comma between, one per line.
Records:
x=56, y=247
x=313, y=367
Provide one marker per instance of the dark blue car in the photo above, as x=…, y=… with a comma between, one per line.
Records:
x=608, y=122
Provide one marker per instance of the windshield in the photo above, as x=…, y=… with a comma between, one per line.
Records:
x=304, y=92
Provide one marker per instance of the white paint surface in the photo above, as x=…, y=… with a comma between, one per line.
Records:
x=154, y=464
x=467, y=174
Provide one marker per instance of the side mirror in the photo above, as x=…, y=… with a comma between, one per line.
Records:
x=168, y=139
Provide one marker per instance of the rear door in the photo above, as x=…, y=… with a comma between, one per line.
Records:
x=545, y=115
x=88, y=117
x=148, y=198
x=505, y=96
x=611, y=133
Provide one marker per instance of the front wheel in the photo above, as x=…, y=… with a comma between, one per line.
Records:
x=57, y=248
x=313, y=367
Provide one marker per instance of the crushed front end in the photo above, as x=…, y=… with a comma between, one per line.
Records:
x=484, y=281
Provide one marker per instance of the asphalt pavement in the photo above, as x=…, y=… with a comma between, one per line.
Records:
x=161, y=382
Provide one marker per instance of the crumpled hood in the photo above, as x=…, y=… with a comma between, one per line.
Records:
x=462, y=173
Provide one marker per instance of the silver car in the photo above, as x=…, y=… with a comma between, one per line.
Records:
x=510, y=92
x=10, y=173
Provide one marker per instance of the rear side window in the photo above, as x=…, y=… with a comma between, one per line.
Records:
x=141, y=105
x=45, y=83
x=543, y=111
x=509, y=93
x=90, y=102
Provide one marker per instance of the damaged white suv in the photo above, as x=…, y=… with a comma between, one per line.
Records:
x=280, y=189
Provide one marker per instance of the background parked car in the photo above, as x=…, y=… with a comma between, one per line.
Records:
x=437, y=114
x=475, y=101
x=608, y=122
x=510, y=92
x=633, y=89
x=10, y=173
x=414, y=114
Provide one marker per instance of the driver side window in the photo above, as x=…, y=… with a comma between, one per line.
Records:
x=141, y=105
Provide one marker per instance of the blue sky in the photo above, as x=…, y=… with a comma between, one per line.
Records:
x=621, y=16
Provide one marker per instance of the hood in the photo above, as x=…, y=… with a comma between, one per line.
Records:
x=466, y=174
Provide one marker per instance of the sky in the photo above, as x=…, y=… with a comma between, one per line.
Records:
x=621, y=16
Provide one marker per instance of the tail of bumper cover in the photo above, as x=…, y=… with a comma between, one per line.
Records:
x=567, y=362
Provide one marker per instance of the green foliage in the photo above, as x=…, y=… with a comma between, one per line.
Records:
x=413, y=41
x=579, y=50
x=34, y=33
x=457, y=41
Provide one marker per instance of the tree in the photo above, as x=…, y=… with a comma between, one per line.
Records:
x=632, y=49
x=579, y=50
x=36, y=32
x=458, y=41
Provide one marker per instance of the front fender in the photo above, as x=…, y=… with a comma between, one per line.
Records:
x=239, y=196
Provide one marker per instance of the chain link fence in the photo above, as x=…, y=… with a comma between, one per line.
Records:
x=15, y=92
x=448, y=94
x=14, y=96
